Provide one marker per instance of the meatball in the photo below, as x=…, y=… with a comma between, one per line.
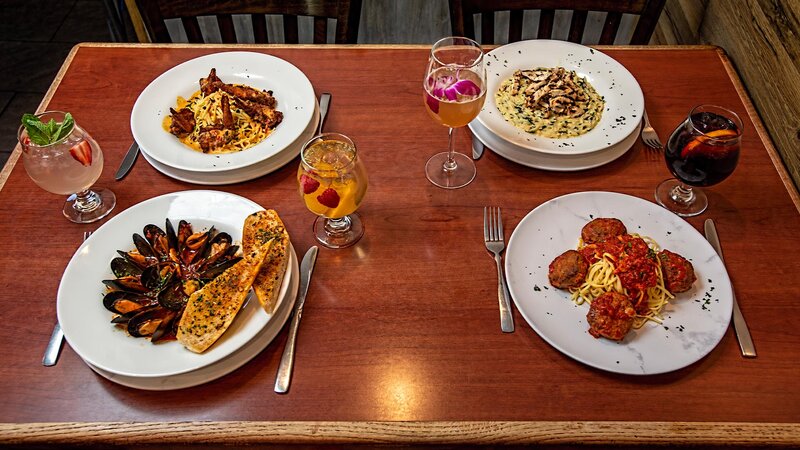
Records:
x=678, y=272
x=611, y=316
x=601, y=229
x=568, y=270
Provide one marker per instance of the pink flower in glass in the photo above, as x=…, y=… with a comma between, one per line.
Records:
x=449, y=88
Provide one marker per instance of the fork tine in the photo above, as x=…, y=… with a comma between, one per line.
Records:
x=485, y=224
x=494, y=223
x=500, y=235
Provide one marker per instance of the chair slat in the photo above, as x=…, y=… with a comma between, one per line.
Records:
x=320, y=30
x=192, y=28
x=515, y=25
x=577, y=26
x=487, y=28
x=546, y=23
x=259, y=28
x=226, y=29
x=610, y=28
x=290, y=29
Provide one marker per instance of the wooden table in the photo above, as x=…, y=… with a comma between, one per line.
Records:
x=400, y=341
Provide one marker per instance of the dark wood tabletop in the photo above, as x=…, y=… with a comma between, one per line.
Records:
x=400, y=340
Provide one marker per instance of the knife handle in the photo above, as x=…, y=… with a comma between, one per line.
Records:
x=284, y=376
x=742, y=332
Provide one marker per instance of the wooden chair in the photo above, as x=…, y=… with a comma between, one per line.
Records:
x=462, y=17
x=346, y=12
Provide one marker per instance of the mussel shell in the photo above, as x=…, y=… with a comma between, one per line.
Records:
x=148, y=320
x=184, y=231
x=134, y=258
x=216, y=269
x=157, y=276
x=172, y=237
x=123, y=267
x=164, y=327
x=143, y=246
x=152, y=232
x=127, y=284
x=173, y=296
x=122, y=302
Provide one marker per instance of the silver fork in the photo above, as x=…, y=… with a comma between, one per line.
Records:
x=57, y=337
x=495, y=243
x=649, y=136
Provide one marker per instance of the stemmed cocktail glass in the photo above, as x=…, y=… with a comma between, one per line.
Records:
x=455, y=89
x=68, y=166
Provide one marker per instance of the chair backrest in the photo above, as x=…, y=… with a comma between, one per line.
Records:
x=346, y=13
x=462, y=14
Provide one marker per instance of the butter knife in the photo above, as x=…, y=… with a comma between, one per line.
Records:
x=324, y=102
x=287, y=360
x=477, y=146
x=127, y=161
x=739, y=324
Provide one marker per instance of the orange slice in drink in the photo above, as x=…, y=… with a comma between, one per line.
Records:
x=694, y=143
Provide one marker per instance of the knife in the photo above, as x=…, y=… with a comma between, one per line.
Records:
x=53, y=347
x=739, y=325
x=127, y=161
x=477, y=146
x=324, y=101
x=287, y=360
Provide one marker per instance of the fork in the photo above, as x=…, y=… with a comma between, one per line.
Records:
x=57, y=337
x=649, y=136
x=495, y=243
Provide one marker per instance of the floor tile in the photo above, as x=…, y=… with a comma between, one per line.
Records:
x=86, y=22
x=30, y=66
x=32, y=20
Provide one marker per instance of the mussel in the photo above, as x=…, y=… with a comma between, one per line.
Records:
x=154, y=281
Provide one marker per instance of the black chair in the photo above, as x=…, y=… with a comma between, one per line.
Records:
x=462, y=14
x=346, y=13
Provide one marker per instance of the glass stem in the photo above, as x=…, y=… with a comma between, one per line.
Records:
x=86, y=201
x=338, y=226
x=683, y=194
x=450, y=165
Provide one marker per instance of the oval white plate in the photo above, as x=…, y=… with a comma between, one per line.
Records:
x=290, y=87
x=86, y=323
x=693, y=324
x=623, y=96
x=227, y=365
x=548, y=161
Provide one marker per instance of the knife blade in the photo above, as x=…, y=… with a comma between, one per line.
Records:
x=127, y=161
x=477, y=146
x=284, y=376
x=324, y=101
x=53, y=346
x=739, y=324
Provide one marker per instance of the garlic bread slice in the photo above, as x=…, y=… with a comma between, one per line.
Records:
x=260, y=227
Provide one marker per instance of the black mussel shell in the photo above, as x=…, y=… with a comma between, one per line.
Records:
x=172, y=237
x=135, y=258
x=144, y=247
x=148, y=320
x=127, y=284
x=216, y=269
x=164, y=327
x=152, y=232
x=173, y=296
x=123, y=267
x=157, y=276
x=184, y=231
x=122, y=302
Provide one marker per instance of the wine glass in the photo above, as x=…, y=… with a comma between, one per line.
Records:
x=332, y=181
x=69, y=166
x=455, y=89
x=702, y=151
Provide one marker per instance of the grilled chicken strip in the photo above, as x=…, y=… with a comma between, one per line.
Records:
x=268, y=116
x=183, y=122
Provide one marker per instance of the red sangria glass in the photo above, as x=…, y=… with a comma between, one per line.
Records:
x=702, y=151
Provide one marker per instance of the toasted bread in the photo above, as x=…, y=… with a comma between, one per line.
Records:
x=260, y=227
x=210, y=310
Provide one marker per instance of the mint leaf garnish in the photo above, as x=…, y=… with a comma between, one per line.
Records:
x=41, y=133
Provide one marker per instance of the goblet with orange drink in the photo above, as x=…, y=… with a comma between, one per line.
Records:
x=332, y=182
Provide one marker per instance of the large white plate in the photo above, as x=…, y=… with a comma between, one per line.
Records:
x=86, y=323
x=290, y=86
x=548, y=161
x=623, y=96
x=693, y=324
x=262, y=168
x=227, y=365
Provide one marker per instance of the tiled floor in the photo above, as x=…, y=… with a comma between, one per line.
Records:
x=35, y=38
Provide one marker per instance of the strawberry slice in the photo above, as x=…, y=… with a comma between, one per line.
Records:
x=308, y=184
x=690, y=147
x=329, y=198
x=82, y=152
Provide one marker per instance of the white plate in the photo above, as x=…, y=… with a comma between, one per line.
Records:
x=693, y=324
x=623, y=96
x=290, y=87
x=245, y=173
x=221, y=368
x=548, y=161
x=86, y=323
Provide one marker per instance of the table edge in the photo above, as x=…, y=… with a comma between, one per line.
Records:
x=382, y=433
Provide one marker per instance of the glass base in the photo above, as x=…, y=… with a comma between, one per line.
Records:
x=339, y=233
x=90, y=206
x=459, y=176
x=683, y=200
